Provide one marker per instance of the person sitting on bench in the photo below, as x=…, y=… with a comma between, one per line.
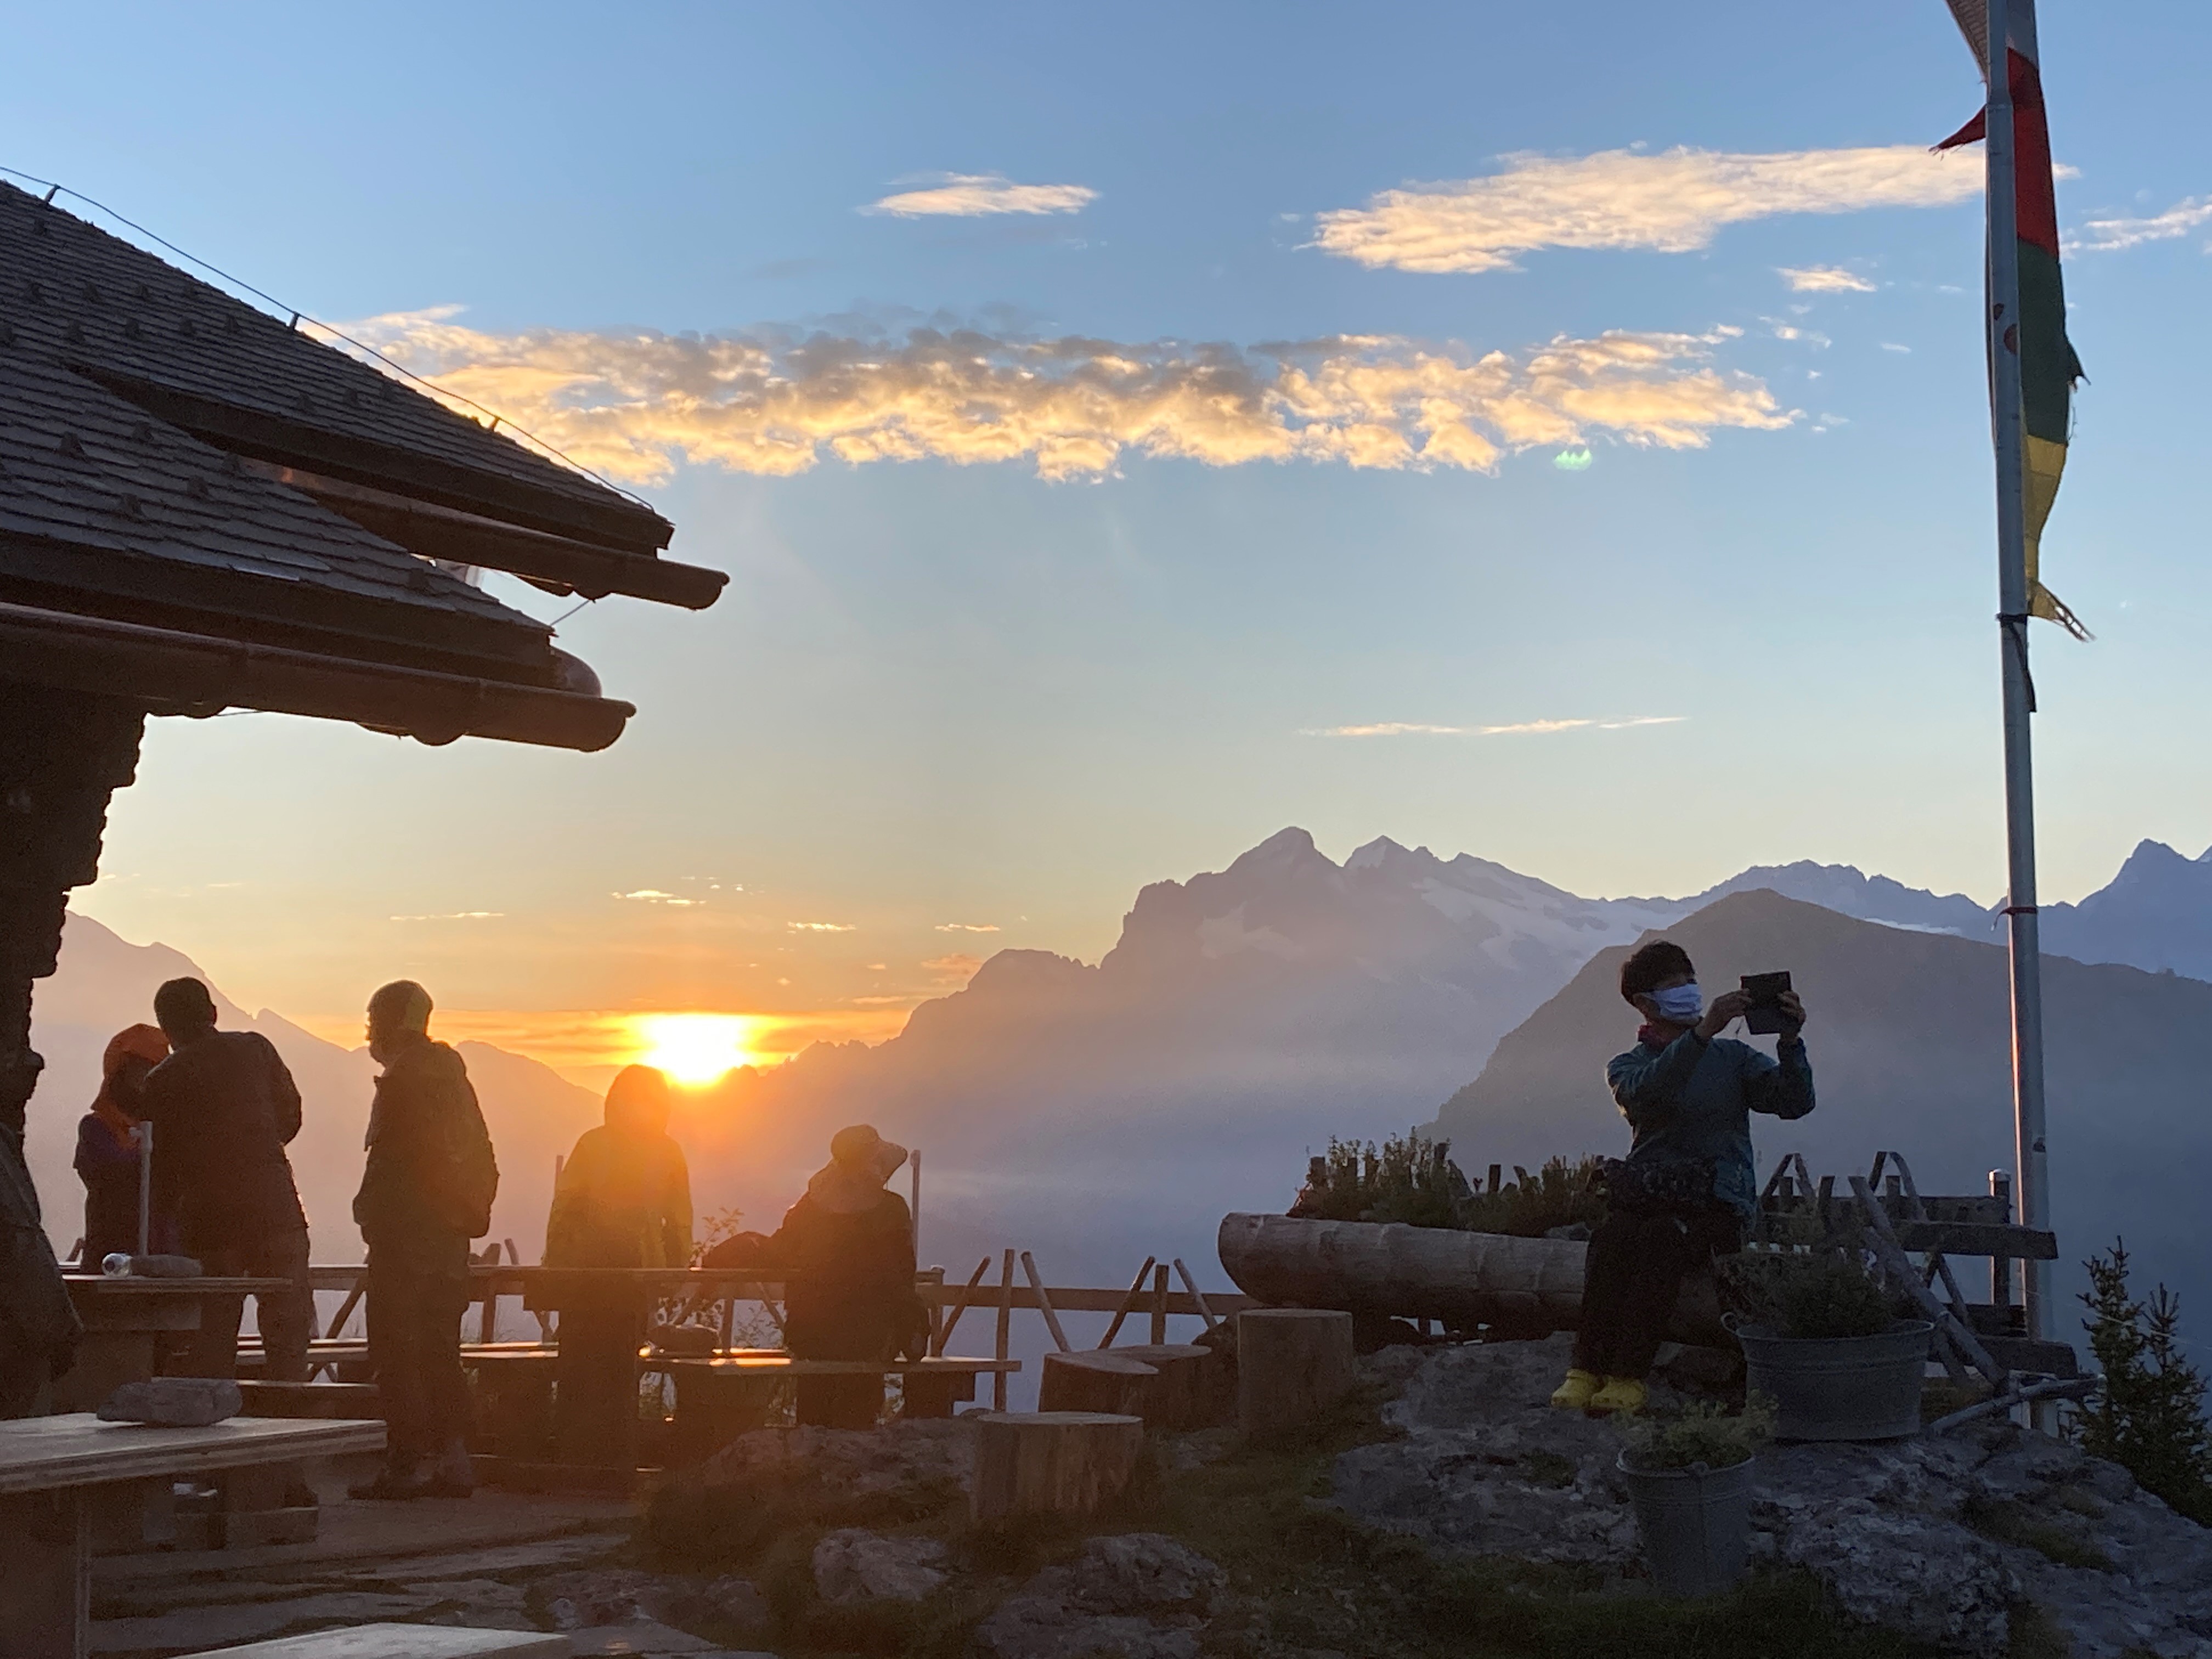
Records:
x=848, y=1247
x=1688, y=1186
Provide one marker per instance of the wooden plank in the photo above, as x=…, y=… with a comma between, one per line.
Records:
x=785, y=1365
x=1005, y=1327
x=1128, y=1302
x=40, y=1453
x=1974, y=1238
x=2022, y=1353
x=1159, y=1321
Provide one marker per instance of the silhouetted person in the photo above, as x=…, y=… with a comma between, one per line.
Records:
x=624, y=1195
x=39, y=1328
x=108, y=1159
x=223, y=1108
x=1688, y=1186
x=848, y=1247
x=426, y=1191
x=624, y=1200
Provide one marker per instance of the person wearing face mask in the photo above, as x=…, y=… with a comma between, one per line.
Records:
x=1688, y=1186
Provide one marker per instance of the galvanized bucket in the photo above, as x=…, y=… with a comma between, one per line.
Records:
x=1840, y=1388
x=1695, y=1524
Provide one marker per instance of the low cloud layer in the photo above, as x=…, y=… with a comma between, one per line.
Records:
x=972, y=194
x=2111, y=235
x=1823, y=279
x=1519, y=728
x=1619, y=199
x=633, y=406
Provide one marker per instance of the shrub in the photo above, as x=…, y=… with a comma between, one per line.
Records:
x=1704, y=1432
x=1807, y=1294
x=1412, y=1180
x=2149, y=1418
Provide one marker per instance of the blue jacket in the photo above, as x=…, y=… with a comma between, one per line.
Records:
x=1693, y=1099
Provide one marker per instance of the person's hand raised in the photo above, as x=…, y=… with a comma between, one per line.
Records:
x=1724, y=1010
x=1793, y=1013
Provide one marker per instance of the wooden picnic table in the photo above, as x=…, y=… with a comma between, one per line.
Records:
x=52, y=1466
x=125, y=1317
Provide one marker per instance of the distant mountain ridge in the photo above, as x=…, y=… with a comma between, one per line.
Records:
x=1909, y=1039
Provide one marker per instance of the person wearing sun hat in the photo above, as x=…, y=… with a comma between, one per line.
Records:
x=849, y=1246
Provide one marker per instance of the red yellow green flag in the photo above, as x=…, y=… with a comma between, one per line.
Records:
x=2048, y=366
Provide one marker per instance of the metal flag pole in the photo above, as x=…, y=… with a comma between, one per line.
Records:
x=2006, y=424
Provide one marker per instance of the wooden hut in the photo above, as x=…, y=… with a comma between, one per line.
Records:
x=202, y=508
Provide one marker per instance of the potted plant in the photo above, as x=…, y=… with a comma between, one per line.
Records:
x=1826, y=1340
x=1689, y=1482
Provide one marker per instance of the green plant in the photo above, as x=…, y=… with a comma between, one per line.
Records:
x=1807, y=1294
x=1704, y=1432
x=2149, y=1418
x=2013, y=1522
x=1411, y=1179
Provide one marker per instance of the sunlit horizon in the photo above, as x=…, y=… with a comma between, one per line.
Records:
x=694, y=1049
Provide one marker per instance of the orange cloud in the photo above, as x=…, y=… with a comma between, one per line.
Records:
x=633, y=406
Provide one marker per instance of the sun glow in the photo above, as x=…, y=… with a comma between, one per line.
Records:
x=696, y=1048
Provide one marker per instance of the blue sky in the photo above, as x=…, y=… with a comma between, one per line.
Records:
x=943, y=696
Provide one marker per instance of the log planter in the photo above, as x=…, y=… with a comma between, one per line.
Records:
x=1097, y=1380
x=1389, y=1270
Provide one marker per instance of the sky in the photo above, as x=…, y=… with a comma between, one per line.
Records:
x=1555, y=434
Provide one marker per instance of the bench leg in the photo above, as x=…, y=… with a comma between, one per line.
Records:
x=935, y=1396
x=46, y=1575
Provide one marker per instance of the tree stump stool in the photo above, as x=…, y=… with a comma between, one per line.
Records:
x=1051, y=1462
x=1097, y=1380
x=1192, y=1388
x=1293, y=1364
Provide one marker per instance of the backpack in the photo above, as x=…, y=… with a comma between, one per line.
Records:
x=472, y=1174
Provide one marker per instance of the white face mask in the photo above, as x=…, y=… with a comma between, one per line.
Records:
x=1680, y=1004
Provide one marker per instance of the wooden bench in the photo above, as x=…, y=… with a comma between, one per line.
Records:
x=54, y=1469
x=1793, y=1209
x=402, y=1642
x=359, y=1401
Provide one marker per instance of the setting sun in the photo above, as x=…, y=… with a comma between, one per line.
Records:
x=695, y=1048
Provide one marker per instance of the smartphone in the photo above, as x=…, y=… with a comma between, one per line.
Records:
x=1764, y=1016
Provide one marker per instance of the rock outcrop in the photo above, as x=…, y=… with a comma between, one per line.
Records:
x=1937, y=1538
x=1137, y=1595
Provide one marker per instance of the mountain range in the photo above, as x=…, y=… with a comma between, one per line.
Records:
x=104, y=983
x=1100, y=1113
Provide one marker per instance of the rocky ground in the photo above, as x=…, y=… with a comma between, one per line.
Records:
x=1938, y=1538
x=1472, y=1519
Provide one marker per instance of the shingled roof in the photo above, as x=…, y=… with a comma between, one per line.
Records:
x=190, y=486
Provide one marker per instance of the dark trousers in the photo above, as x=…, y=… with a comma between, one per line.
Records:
x=1634, y=1271
x=414, y=1343
x=287, y=1317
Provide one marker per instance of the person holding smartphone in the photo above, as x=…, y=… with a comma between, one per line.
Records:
x=1688, y=1186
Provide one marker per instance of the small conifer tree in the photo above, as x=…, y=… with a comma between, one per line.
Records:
x=2150, y=1419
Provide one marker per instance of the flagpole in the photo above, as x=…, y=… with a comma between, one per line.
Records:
x=2019, y=699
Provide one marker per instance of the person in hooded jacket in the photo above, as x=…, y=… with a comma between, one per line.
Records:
x=108, y=1150
x=848, y=1247
x=426, y=1190
x=624, y=1200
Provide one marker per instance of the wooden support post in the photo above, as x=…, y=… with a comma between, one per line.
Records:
x=1006, y=1330
x=1196, y=1294
x=1128, y=1303
x=45, y=1574
x=1044, y=1302
x=1052, y=1462
x=2001, y=1266
x=353, y=1298
x=488, y=1327
x=1293, y=1364
x=1496, y=1173
x=1160, y=1302
x=967, y=1291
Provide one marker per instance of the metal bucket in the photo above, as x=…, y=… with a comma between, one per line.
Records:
x=1695, y=1524
x=1841, y=1387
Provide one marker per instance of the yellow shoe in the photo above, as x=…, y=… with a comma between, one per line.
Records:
x=1574, y=1394
x=1625, y=1395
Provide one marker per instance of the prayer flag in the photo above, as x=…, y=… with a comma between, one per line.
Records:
x=2048, y=366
